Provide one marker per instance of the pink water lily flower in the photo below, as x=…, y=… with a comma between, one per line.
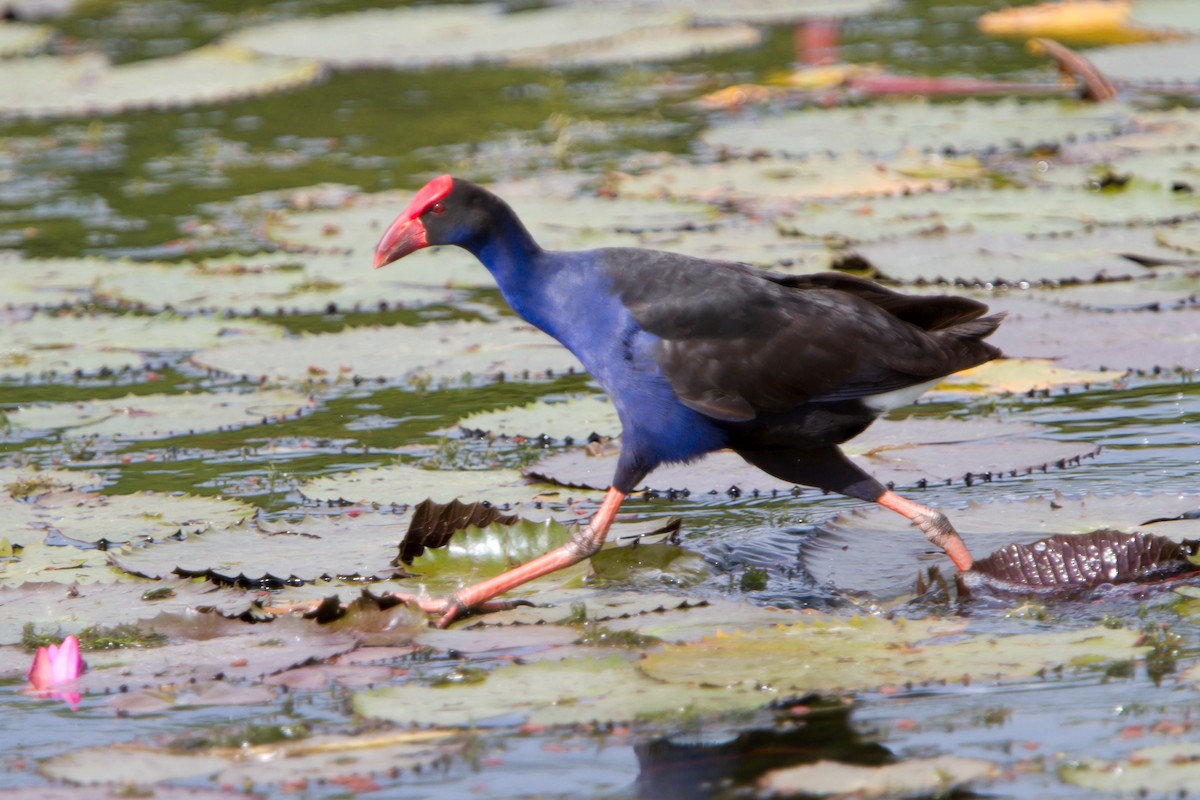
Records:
x=55, y=665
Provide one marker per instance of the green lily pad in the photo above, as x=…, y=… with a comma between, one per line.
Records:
x=442, y=352
x=776, y=12
x=325, y=759
x=546, y=693
x=45, y=343
x=1176, y=61
x=20, y=39
x=87, y=84
x=1078, y=338
x=1022, y=376
x=456, y=35
x=774, y=182
x=1013, y=257
x=866, y=653
x=408, y=485
x=310, y=549
x=577, y=416
x=161, y=416
x=917, y=776
x=53, y=606
x=38, y=561
x=970, y=126
x=1164, y=14
x=90, y=517
x=247, y=651
x=23, y=483
x=266, y=284
x=903, y=452
x=1161, y=769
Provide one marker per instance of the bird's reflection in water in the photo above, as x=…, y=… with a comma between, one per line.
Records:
x=727, y=763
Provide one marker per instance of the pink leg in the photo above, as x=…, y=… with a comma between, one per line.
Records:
x=584, y=544
x=933, y=524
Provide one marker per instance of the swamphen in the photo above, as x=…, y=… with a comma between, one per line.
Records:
x=700, y=355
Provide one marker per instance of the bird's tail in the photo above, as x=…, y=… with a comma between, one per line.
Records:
x=974, y=331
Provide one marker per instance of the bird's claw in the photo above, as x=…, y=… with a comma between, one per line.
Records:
x=448, y=609
x=938, y=530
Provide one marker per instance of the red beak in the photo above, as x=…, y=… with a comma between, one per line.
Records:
x=402, y=237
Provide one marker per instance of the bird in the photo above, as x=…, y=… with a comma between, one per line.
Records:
x=699, y=355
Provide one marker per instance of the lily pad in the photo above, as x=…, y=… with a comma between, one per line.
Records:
x=267, y=284
x=310, y=549
x=408, y=485
x=906, y=453
x=1083, y=339
x=20, y=39
x=87, y=84
x=457, y=35
x=917, y=776
x=1161, y=63
x=247, y=651
x=971, y=126
x=774, y=182
x=773, y=12
x=90, y=517
x=865, y=653
x=51, y=607
x=564, y=692
x=1160, y=769
x=577, y=416
x=871, y=549
x=1022, y=376
x=46, y=344
x=1013, y=257
x=441, y=352
x=161, y=416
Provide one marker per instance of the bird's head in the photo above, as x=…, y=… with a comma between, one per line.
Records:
x=444, y=211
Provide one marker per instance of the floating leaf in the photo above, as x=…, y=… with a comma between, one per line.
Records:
x=45, y=343
x=450, y=352
x=90, y=517
x=162, y=416
x=1168, y=14
x=1022, y=376
x=970, y=126
x=407, y=485
x=19, y=39
x=22, y=483
x=872, y=550
x=1153, y=62
x=1160, y=769
x=447, y=35
x=246, y=651
x=774, y=182
x=1013, y=257
x=1083, y=339
x=442, y=35
x=54, y=86
x=775, y=12
x=865, y=653
x=1083, y=561
x=917, y=776
x=903, y=452
x=1078, y=21
x=577, y=416
x=265, y=284
x=308, y=549
x=566, y=692
x=55, y=607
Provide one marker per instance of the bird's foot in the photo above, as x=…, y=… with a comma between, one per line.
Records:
x=938, y=530
x=448, y=609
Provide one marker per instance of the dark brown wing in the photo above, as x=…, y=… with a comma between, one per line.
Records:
x=737, y=341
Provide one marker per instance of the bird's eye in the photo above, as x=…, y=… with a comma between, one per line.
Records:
x=437, y=208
